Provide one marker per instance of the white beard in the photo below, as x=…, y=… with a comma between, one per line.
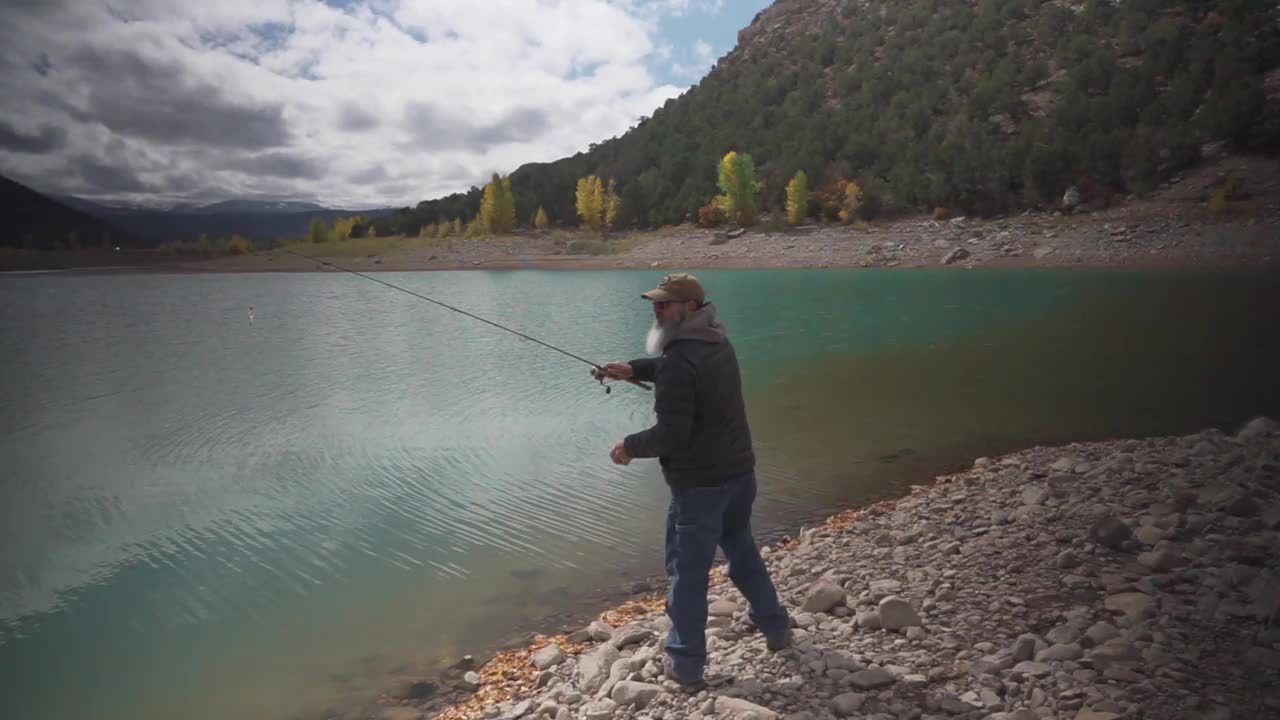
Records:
x=656, y=338
x=659, y=334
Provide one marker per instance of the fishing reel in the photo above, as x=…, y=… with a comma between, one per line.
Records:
x=600, y=375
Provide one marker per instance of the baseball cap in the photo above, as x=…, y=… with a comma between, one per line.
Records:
x=677, y=287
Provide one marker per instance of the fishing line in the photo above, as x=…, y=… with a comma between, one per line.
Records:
x=597, y=369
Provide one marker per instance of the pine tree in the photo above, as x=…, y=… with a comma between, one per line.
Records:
x=798, y=198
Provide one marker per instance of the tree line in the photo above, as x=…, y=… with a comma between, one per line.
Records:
x=985, y=108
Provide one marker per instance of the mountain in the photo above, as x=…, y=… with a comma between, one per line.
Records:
x=260, y=221
x=984, y=107
x=258, y=206
x=95, y=208
x=38, y=222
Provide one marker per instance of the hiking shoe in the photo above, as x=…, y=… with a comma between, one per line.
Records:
x=781, y=642
x=689, y=687
x=693, y=687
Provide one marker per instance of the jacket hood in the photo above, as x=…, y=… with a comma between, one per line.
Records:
x=701, y=325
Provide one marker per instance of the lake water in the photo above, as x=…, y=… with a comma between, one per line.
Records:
x=208, y=518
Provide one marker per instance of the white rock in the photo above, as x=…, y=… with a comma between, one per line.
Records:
x=470, y=681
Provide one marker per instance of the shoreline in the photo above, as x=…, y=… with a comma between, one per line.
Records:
x=1118, y=555
x=1172, y=228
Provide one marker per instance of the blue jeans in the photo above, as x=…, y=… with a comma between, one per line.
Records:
x=698, y=521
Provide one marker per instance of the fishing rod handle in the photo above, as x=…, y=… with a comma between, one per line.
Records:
x=598, y=373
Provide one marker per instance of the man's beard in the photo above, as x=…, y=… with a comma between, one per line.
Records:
x=659, y=334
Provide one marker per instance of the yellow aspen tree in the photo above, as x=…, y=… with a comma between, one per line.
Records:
x=588, y=201
x=739, y=184
x=498, y=206
x=609, y=212
x=852, y=199
x=798, y=198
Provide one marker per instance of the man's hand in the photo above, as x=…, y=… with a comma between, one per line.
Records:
x=619, y=454
x=618, y=371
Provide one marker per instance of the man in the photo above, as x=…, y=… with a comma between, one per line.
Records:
x=703, y=444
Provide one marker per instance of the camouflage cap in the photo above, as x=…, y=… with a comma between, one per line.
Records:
x=677, y=287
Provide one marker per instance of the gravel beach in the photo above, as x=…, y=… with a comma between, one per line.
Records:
x=1132, y=579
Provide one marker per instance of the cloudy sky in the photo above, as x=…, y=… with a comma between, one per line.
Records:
x=350, y=103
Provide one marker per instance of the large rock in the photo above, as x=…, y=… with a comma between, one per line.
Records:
x=739, y=708
x=599, y=631
x=637, y=694
x=602, y=709
x=872, y=679
x=955, y=255
x=1132, y=604
x=1064, y=651
x=547, y=657
x=723, y=608
x=1110, y=532
x=593, y=668
x=868, y=620
x=822, y=596
x=896, y=613
x=847, y=704
x=1025, y=647
x=630, y=635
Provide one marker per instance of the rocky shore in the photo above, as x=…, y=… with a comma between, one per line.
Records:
x=1173, y=227
x=1127, y=579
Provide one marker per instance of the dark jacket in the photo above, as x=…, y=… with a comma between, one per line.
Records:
x=701, y=436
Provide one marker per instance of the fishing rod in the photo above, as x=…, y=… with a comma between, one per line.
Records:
x=597, y=370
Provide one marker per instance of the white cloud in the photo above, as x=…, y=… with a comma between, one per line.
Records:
x=386, y=102
x=702, y=55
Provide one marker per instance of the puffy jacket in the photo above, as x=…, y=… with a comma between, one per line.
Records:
x=701, y=436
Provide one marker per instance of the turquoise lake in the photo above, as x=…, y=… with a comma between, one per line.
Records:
x=206, y=517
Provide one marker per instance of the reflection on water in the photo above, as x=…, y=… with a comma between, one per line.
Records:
x=207, y=519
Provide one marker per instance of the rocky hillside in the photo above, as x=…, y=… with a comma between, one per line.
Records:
x=982, y=107
x=1114, y=580
x=37, y=222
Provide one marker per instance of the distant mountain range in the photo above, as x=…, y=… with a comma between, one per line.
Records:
x=46, y=221
x=41, y=223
